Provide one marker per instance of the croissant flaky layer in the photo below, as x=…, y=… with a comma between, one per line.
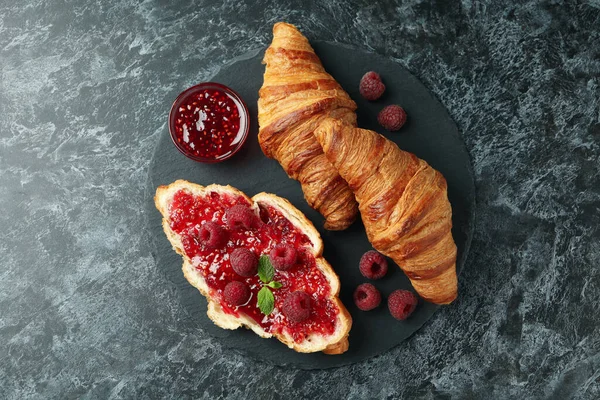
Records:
x=403, y=203
x=296, y=97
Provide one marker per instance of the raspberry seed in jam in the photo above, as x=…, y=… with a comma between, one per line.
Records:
x=208, y=122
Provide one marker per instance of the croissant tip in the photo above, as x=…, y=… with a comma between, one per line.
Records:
x=440, y=300
x=283, y=25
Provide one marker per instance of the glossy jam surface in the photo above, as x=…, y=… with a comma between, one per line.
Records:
x=188, y=212
x=208, y=123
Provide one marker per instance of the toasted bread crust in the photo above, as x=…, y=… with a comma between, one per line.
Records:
x=336, y=343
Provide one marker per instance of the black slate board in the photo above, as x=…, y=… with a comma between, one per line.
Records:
x=430, y=133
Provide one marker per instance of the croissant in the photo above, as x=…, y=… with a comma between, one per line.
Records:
x=403, y=203
x=296, y=96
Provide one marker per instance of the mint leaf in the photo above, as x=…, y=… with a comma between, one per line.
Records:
x=266, y=272
x=274, y=285
x=266, y=300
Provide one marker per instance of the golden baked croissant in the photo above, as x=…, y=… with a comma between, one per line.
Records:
x=403, y=203
x=297, y=94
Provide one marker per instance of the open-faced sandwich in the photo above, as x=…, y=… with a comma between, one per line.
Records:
x=258, y=263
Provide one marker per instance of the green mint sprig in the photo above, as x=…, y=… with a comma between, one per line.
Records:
x=266, y=273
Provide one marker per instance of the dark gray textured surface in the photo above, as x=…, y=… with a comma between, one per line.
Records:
x=84, y=91
x=431, y=134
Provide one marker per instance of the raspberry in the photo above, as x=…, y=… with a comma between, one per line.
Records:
x=297, y=306
x=402, y=303
x=283, y=257
x=237, y=293
x=371, y=87
x=392, y=117
x=367, y=297
x=241, y=216
x=373, y=265
x=243, y=262
x=212, y=235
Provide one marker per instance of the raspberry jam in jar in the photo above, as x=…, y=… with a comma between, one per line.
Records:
x=209, y=122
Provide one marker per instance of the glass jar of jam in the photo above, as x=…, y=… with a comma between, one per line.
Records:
x=209, y=122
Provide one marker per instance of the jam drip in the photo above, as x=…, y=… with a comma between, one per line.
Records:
x=188, y=212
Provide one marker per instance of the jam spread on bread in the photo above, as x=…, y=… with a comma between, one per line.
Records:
x=188, y=213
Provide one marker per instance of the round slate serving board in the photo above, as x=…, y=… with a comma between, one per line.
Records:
x=430, y=133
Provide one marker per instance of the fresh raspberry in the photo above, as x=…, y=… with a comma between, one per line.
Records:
x=243, y=262
x=237, y=293
x=402, y=303
x=392, y=117
x=371, y=87
x=283, y=257
x=297, y=306
x=367, y=297
x=212, y=235
x=373, y=265
x=241, y=217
